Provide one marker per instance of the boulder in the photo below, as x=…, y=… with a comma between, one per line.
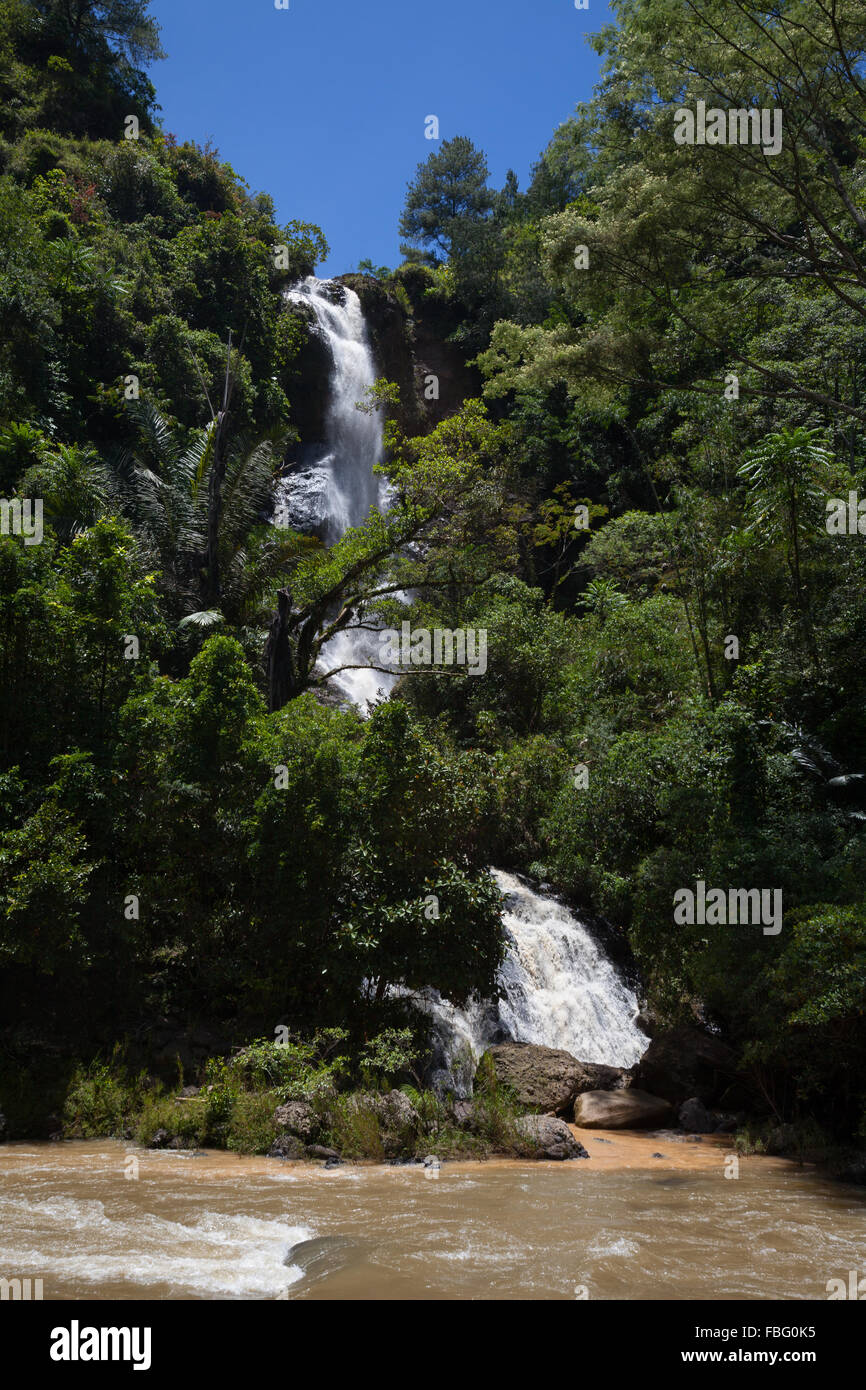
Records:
x=319, y=1151
x=296, y=1117
x=629, y=1109
x=550, y=1138
x=397, y=1118
x=595, y=1077
x=462, y=1112
x=287, y=1146
x=547, y=1079
x=726, y=1123
x=695, y=1118
x=686, y=1063
x=160, y=1139
x=542, y=1078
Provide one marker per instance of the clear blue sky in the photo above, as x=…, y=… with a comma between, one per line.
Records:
x=323, y=105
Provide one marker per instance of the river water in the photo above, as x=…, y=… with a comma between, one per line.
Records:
x=107, y=1221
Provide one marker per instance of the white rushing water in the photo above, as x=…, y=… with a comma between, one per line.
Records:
x=557, y=986
x=557, y=989
x=335, y=487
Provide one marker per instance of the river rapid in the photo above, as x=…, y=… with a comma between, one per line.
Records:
x=108, y=1221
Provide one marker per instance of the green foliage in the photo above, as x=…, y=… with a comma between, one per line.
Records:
x=448, y=195
x=696, y=650
x=102, y=1099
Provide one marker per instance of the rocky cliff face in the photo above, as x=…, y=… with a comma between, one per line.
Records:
x=307, y=379
x=408, y=334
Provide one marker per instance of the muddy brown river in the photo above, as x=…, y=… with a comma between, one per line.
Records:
x=108, y=1221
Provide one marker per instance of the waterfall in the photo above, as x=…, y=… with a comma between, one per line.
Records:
x=334, y=487
x=556, y=986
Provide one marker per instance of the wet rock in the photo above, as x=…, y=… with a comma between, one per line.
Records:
x=287, y=1146
x=659, y=1155
x=629, y=1109
x=551, y=1138
x=298, y=1118
x=547, y=1079
x=396, y=1116
x=695, y=1118
x=462, y=1112
x=319, y=1151
x=178, y=1142
x=782, y=1140
x=726, y=1124
x=431, y=1161
x=160, y=1139
x=333, y=1163
x=686, y=1063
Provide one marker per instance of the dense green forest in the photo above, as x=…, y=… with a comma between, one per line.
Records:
x=667, y=345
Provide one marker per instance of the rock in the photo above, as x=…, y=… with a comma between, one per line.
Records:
x=334, y=1162
x=296, y=1117
x=178, y=1142
x=629, y=1109
x=782, y=1140
x=462, y=1112
x=189, y=1092
x=286, y=1146
x=319, y=1151
x=431, y=1161
x=551, y=1138
x=725, y=1124
x=547, y=1079
x=595, y=1077
x=695, y=1118
x=686, y=1063
x=2, y=1126
x=160, y=1139
x=398, y=1120
x=659, y=1155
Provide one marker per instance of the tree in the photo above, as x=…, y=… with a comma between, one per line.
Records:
x=446, y=490
x=449, y=192
x=166, y=477
x=785, y=474
x=692, y=247
x=87, y=25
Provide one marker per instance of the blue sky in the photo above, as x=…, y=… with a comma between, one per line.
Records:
x=323, y=105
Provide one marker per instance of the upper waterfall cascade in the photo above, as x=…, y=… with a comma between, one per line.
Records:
x=334, y=487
